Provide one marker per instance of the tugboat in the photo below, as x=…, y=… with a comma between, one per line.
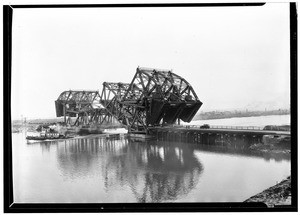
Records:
x=47, y=136
x=46, y=133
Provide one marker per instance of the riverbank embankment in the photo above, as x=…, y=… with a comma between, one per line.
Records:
x=273, y=144
x=277, y=195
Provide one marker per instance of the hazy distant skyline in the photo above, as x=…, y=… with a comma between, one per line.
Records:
x=234, y=57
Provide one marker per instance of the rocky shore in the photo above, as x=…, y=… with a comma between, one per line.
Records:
x=269, y=149
x=277, y=195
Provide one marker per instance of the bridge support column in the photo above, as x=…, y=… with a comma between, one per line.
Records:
x=64, y=112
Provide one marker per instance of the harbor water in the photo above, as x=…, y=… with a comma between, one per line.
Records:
x=101, y=169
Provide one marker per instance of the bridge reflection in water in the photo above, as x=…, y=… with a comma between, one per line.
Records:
x=124, y=170
x=154, y=171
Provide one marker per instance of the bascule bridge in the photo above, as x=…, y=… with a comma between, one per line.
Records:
x=154, y=97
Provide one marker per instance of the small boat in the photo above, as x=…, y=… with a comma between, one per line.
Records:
x=44, y=133
x=47, y=136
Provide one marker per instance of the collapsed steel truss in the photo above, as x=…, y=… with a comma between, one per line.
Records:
x=154, y=97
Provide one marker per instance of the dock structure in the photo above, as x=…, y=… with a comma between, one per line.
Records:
x=238, y=137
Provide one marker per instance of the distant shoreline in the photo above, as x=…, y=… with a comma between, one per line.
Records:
x=237, y=114
x=200, y=116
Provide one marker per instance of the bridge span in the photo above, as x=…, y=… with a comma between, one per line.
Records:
x=153, y=97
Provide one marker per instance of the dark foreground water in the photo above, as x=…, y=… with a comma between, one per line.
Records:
x=100, y=169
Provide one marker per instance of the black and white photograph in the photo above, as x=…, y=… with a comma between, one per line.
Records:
x=121, y=104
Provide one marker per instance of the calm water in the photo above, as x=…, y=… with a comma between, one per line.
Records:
x=259, y=121
x=100, y=169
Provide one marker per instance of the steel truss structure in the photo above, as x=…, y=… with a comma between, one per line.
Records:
x=112, y=100
x=84, y=105
x=154, y=97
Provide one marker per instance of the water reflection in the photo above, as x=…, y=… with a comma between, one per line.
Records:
x=154, y=171
x=244, y=152
x=80, y=157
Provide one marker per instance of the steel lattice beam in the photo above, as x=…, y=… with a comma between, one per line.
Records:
x=164, y=96
x=85, y=105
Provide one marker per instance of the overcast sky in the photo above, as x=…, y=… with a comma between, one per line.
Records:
x=234, y=57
